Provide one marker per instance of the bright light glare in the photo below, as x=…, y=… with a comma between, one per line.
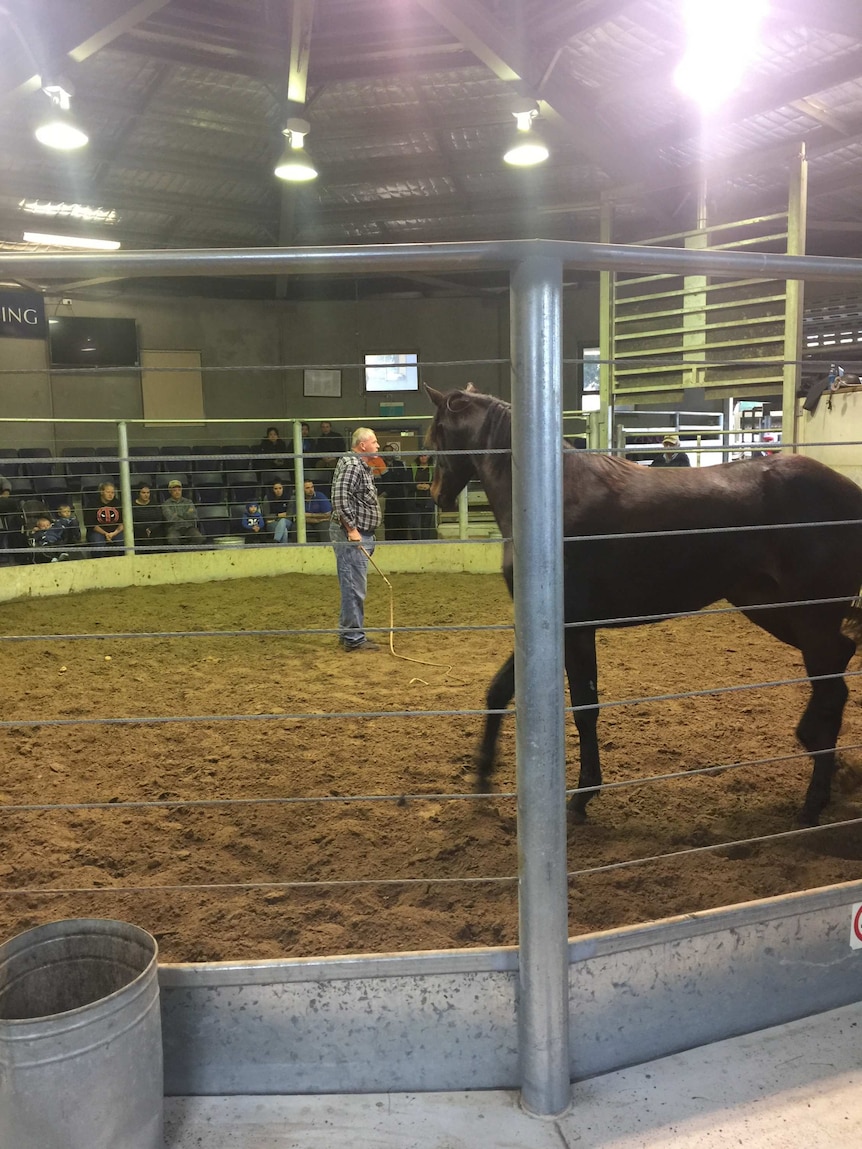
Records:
x=68, y=210
x=526, y=153
x=46, y=240
x=722, y=37
x=62, y=135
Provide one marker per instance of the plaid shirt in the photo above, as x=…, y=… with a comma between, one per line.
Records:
x=354, y=496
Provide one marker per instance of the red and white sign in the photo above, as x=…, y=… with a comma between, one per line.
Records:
x=856, y=926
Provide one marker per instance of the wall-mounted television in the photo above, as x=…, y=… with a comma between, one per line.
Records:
x=77, y=341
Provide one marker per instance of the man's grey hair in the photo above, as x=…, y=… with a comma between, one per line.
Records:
x=360, y=435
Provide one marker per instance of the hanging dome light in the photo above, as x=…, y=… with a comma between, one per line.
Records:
x=60, y=131
x=529, y=148
x=295, y=164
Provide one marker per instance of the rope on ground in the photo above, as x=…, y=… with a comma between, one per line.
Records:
x=407, y=658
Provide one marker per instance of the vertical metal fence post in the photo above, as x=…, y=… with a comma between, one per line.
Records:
x=299, y=481
x=536, y=353
x=125, y=488
x=463, y=515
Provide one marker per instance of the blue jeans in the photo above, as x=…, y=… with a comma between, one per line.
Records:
x=102, y=549
x=280, y=530
x=352, y=567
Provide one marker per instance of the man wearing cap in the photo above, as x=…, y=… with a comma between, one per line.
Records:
x=180, y=515
x=672, y=456
x=355, y=515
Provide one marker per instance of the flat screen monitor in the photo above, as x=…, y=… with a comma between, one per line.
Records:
x=77, y=341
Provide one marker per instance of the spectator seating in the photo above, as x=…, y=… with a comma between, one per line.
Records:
x=108, y=462
x=34, y=461
x=169, y=476
x=149, y=455
x=281, y=475
x=237, y=510
x=78, y=462
x=243, y=485
x=9, y=462
x=92, y=482
x=208, y=486
x=214, y=519
x=44, y=485
x=175, y=457
x=211, y=474
x=142, y=479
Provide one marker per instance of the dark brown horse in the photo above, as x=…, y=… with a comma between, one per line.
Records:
x=625, y=579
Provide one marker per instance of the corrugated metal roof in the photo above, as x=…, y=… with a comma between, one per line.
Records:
x=410, y=109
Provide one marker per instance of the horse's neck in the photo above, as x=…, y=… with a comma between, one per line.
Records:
x=495, y=475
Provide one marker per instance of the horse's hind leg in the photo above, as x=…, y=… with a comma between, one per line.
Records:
x=816, y=632
x=820, y=724
x=500, y=694
x=582, y=673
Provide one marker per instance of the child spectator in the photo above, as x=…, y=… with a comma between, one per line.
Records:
x=68, y=520
x=253, y=522
x=45, y=537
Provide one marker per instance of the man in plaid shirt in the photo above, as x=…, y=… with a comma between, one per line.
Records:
x=355, y=514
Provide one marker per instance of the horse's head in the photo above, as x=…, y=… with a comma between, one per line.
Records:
x=453, y=428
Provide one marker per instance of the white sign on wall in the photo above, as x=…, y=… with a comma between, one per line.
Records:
x=856, y=926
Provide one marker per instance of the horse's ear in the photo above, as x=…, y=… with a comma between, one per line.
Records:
x=435, y=396
x=470, y=387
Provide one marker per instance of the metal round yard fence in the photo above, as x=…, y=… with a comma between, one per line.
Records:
x=543, y=878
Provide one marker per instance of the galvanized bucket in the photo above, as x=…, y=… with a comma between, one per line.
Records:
x=80, y=1038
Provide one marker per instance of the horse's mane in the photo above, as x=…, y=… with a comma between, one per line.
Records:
x=495, y=432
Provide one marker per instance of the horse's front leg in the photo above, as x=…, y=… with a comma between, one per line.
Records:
x=581, y=671
x=820, y=725
x=500, y=694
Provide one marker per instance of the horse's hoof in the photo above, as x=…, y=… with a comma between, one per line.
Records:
x=577, y=817
x=806, y=820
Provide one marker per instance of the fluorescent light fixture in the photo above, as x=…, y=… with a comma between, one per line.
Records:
x=295, y=164
x=46, y=240
x=68, y=211
x=60, y=131
x=722, y=38
x=529, y=148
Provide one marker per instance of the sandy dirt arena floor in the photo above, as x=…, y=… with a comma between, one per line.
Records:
x=135, y=861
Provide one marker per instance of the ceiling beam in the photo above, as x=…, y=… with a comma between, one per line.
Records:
x=563, y=21
x=76, y=35
x=267, y=63
x=300, y=50
x=762, y=99
x=562, y=101
x=843, y=16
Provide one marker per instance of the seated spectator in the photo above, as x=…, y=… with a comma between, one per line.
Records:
x=671, y=455
x=103, y=520
x=180, y=515
x=45, y=538
x=11, y=526
x=253, y=523
x=318, y=510
x=68, y=520
x=396, y=483
x=272, y=443
x=147, y=519
x=423, y=522
x=330, y=446
x=275, y=511
x=307, y=441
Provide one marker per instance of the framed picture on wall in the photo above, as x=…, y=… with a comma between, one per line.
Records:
x=324, y=381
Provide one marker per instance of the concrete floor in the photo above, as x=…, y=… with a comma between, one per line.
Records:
x=795, y=1085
